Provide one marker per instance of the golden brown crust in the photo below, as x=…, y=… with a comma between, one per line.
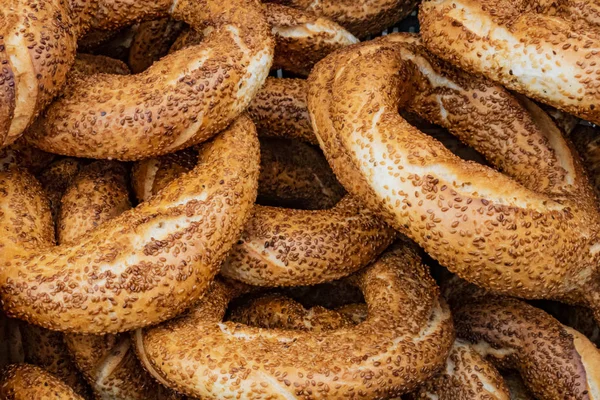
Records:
x=258, y=363
x=112, y=369
x=535, y=235
x=279, y=109
x=513, y=334
x=288, y=247
x=150, y=176
x=535, y=48
x=26, y=382
x=362, y=18
x=23, y=155
x=467, y=376
x=301, y=38
x=587, y=142
x=185, y=99
x=145, y=266
x=151, y=41
x=37, y=50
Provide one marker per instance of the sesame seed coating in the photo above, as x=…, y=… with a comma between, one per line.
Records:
x=186, y=98
x=545, y=50
x=25, y=156
x=37, y=49
x=531, y=231
x=26, y=382
x=362, y=18
x=98, y=194
x=301, y=38
x=47, y=349
x=467, y=376
x=55, y=180
x=284, y=246
x=404, y=340
x=151, y=40
x=289, y=247
x=142, y=267
x=554, y=361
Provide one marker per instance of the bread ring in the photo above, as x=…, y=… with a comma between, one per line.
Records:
x=185, y=99
x=554, y=361
x=110, y=365
x=301, y=38
x=98, y=194
x=288, y=247
x=362, y=18
x=545, y=50
x=55, y=180
x=26, y=382
x=587, y=143
x=25, y=156
x=143, y=267
x=255, y=363
x=151, y=41
x=535, y=235
x=280, y=110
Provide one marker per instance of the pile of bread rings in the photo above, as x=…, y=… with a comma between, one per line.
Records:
x=414, y=216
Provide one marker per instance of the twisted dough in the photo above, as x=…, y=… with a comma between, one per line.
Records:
x=26, y=382
x=143, y=267
x=403, y=341
x=362, y=18
x=545, y=50
x=535, y=235
x=182, y=100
